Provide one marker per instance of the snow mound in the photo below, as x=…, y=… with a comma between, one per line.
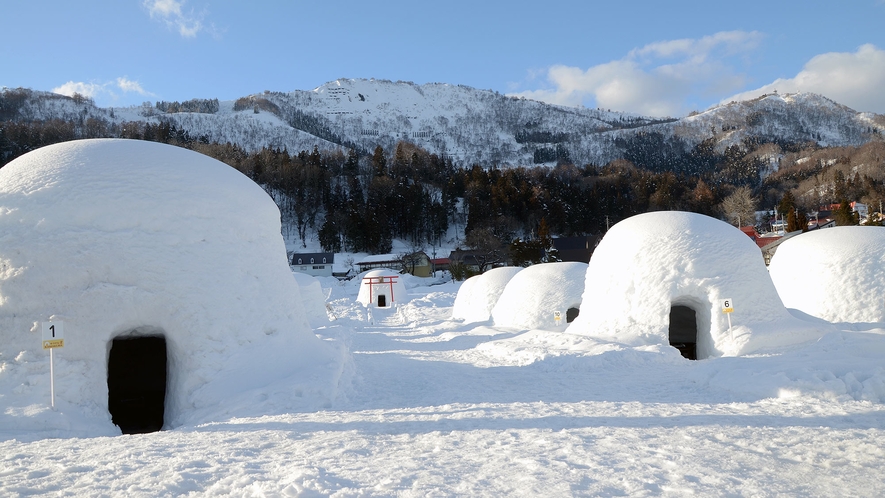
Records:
x=381, y=286
x=313, y=298
x=650, y=263
x=532, y=295
x=837, y=274
x=125, y=238
x=479, y=294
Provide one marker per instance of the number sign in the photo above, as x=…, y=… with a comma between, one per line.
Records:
x=727, y=305
x=53, y=335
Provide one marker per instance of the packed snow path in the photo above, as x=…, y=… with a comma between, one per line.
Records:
x=439, y=408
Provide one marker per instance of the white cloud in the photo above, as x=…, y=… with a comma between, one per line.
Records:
x=106, y=91
x=72, y=87
x=658, y=79
x=854, y=79
x=171, y=13
x=128, y=85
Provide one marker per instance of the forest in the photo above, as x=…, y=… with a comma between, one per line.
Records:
x=360, y=202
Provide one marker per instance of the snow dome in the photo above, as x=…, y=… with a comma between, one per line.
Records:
x=381, y=288
x=837, y=274
x=169, y=273
x=533, y=295
x=659, y=278
x=479, y=294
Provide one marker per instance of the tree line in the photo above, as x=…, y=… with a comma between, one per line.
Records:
x=360, y=202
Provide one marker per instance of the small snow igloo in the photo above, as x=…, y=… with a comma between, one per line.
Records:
x=545, y=296
x=659, y=278
x=478, y=295
x=837, y=274
x=381, y=288
x=170, y=275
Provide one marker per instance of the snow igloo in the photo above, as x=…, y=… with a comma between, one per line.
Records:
x=660, y=278
x=545, y=296
x=169, y=273
x=381, y=288
x=837, y=274
x=478, y=294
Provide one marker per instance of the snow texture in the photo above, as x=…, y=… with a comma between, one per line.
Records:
x=313, y=298
x=837, y=274
x=650, y=262
x=480, y=293
x=129, y=238
x=532, y=295
x=441, y=408
x=381, y=282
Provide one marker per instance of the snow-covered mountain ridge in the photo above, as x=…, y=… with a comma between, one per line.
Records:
x=467, y=124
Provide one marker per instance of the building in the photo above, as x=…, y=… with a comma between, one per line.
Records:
x=316, y=264
x=416, y=263
x=578, y=249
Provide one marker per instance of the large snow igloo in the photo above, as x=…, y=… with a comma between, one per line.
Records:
x=534, y=295
x=170, y=274
x=837, y=274
x=659, y=278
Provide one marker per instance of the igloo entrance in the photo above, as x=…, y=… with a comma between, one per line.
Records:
x=684, y=331
x=137, y=383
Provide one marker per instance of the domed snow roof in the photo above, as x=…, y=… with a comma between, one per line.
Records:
x=533, y=295
x=475, y=301
x=650, y=263
x=387, y=285
x=837, y=274
x=128, y=238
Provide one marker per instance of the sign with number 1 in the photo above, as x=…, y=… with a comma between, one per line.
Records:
x=53, y=335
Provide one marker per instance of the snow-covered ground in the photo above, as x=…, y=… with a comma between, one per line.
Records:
x=438, y=407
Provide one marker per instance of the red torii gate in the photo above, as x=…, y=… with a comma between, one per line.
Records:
x=390, y=280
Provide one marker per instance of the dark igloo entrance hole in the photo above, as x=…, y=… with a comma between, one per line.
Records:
x=684, y=331
x=137, y=383
x=382, y=301
x=571, y=314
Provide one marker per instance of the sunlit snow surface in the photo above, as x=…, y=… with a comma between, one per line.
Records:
x=442, y=408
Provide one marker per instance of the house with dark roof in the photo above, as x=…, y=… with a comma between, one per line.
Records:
x=317, y=264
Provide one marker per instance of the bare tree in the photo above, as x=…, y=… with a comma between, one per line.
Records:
x=739, y=208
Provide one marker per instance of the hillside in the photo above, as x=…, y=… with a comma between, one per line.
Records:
x=465, y=124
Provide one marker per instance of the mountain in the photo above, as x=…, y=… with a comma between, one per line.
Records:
x=466, y=124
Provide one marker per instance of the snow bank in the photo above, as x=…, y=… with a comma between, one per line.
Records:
x=532, y=295
x=313, y=298
x=130, y=238
x=651, y=262
x=381, y=285
x=479, y=294
x=837, y=274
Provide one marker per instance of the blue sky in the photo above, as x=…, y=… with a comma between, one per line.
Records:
x=649, y=57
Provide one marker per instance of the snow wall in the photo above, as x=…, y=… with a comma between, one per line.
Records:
x=313, y=298
x=533, y=295
x=651, y=262
x=837, y=274
x=479, y=294
x=387, y=286
x=130, y=238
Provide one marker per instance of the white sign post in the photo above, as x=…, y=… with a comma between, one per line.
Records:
x=557, y=317
x=728, y=309
x=53, y=337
